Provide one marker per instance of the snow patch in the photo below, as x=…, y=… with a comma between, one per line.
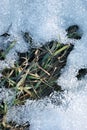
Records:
x=47, y=20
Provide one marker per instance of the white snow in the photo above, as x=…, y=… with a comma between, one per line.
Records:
x=47, y=20
x=45, y=115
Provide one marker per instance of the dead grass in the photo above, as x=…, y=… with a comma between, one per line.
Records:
x=36, y=72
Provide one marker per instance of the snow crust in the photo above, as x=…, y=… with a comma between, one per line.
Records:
x=47, y=20
x=45, y=115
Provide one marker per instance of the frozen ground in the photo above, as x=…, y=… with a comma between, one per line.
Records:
x=47, y=20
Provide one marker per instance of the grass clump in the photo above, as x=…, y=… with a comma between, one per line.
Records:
x=3, y=111
x=35, y=73
x=33, y=76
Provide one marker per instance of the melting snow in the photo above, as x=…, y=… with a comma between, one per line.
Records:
x=47, y=20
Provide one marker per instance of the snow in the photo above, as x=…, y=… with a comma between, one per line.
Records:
x=38, y=17
x=5, y=93
x=47, y=20
x=45, y=115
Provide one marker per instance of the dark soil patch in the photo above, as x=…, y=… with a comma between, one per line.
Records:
x=81, y=73
x=73, y=32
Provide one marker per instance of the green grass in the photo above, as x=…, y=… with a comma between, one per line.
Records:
x=35, y=74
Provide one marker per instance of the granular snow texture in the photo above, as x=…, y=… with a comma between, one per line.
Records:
x=47, y=20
